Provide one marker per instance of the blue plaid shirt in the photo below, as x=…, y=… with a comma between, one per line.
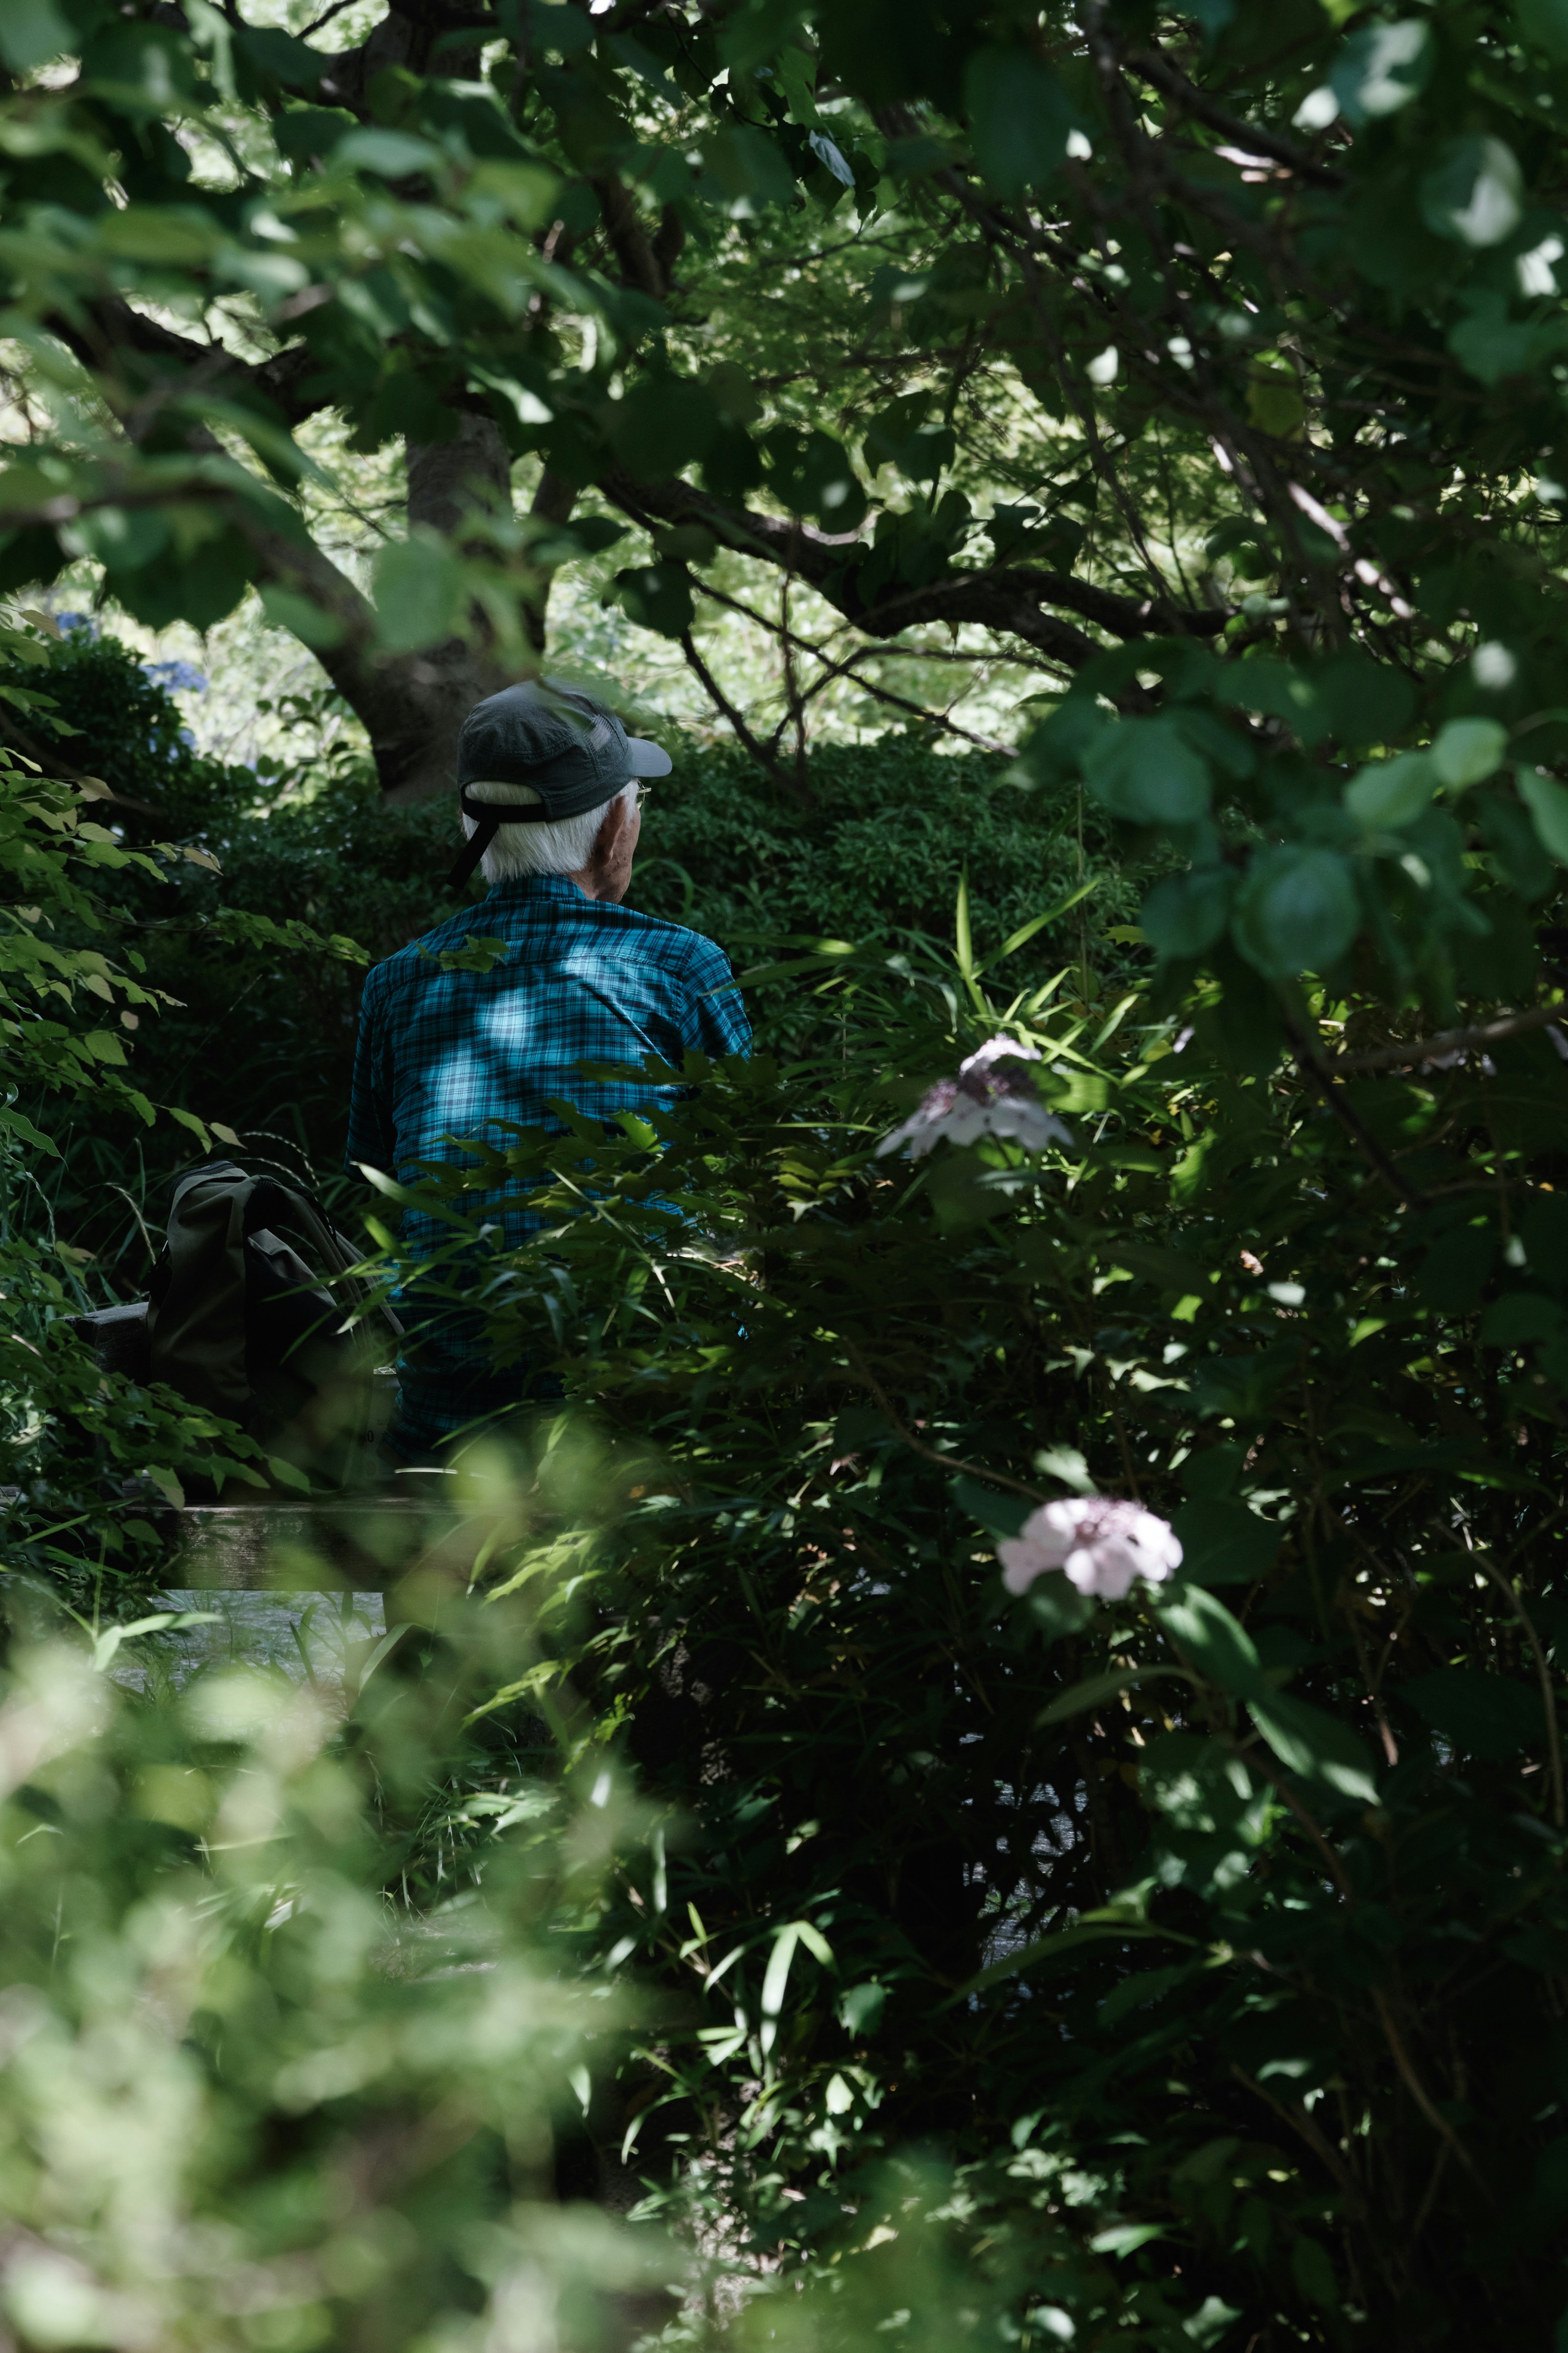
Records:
x=445, y=1056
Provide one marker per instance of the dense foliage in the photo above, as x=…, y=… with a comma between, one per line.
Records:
x=1181, y=1970
x=1216, y=1933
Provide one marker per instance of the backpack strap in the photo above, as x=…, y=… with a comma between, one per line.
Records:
x=195, y=1323
x=335, y=1254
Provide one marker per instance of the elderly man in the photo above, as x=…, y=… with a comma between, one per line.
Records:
x=548, y=787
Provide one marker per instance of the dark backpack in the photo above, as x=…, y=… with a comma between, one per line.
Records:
x=240, y=1319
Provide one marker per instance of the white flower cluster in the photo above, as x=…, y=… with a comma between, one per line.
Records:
x=983, y=1099
x=1100, y=1542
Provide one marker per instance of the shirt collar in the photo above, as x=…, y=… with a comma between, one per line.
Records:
x=540, y=886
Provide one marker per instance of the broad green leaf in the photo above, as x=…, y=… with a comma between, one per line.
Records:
x=31, y=33
x=1545, y=22
x=1547, y=802
x=1315, y=1744
x=1144, y=771
x=1185, y=914
x=1468, y=751
x=1002, y=1513
x=1296, y=912
x=748, y=168
x=1392, y=793
x=1094, y=1927
x=1214, y=1641
x=1476, y=195
x=1519, y=1317
x=657, y=597
x=1488, y=1715
x=287, y=610
x=1097, y=1688
x=1224, y=1543
x=418, y=592
x=1380, y=68
x=1314, y=2275
x=391, y=154
x=1020, y=116
x=664, y=422
x=294, y=63
x=1198, y=1784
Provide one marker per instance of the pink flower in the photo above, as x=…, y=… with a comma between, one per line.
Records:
x=1101, y=1543
x=983, y=1099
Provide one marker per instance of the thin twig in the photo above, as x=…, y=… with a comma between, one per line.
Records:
x=1553, y=1742
x=1310, y=1063
x=1299, y=2121
x=759, y=752
x=1422, y=2097
x=1448, y=1042
x=932, y=1454
x=324, y=18
x=868, y=686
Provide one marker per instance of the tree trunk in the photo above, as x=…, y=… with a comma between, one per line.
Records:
x=447, y=480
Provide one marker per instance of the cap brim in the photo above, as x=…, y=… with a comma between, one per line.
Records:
x=647, y=759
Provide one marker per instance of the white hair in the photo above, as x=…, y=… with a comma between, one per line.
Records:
x=564, y=847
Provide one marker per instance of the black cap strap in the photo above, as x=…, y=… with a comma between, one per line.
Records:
x=488, y=816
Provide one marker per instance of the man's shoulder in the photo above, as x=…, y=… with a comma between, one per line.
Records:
x=674, y=945
x=418, y=957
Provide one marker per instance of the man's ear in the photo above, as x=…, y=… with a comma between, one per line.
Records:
x=611, y=829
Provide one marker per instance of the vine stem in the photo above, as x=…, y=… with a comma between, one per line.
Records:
x=917, y=1446
x=1422, y=2097
x=1310, y=1063
x=1554, y=1739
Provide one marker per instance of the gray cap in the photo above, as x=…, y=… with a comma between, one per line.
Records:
x=567, y=745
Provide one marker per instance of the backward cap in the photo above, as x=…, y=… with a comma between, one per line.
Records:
x=565, y=743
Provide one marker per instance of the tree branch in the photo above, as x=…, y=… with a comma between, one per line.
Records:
x=1004, y=597
x=765, y=758
x=1152, y=65
x=1446, y=1043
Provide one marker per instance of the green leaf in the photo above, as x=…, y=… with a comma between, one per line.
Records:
x=1185, y=914
x=280, y=55
x=1392, y=793
x=1476, y=195
x=1468, y=751
x=1020, y=116
x=665, y=422
x=1519, y=1317
x=418, y=587
x=1380, y=69
x=391, y=154
x=1545, y=22
x=1125, y=2237
x=812, y=474
x=656, y=596
x=1210, y=2322
x=1314, y=2275
x=1488, y=1716
x=1144, y=770
x=1093, y=1928
x=1002, y=1513
x=749, y=169
x=1224, y=1543
x=32, y=32
x=1199, y=1785
x=1315, y=1744
x=1547, y=802
x=1204, y=1630
x=1296, y=912
x=1096, y=1688
x=286, y=610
